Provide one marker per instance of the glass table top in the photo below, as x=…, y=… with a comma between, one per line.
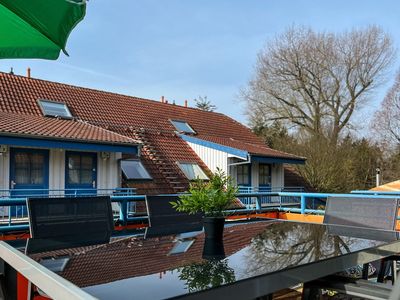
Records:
x=148, y=266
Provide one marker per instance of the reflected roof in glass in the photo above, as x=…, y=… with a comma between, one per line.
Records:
x=136, y=265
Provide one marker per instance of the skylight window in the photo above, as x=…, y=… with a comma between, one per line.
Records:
x=192, y=171
x=55, y=109
x=55, y=264
x=182, y=126
x=134, y=169
x=181, y=246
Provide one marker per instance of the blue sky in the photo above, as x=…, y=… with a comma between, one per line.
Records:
x=185, y=49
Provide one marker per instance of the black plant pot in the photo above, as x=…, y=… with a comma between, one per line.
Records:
x=213, y=249
x=214, y=227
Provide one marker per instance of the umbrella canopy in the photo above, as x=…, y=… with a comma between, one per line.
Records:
x=37, y=28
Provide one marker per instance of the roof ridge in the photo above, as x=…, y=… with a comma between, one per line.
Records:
x=235, y=139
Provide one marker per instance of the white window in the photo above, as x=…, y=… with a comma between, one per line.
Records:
x=192, y=171
x=134, y=169
x=55, y=265
x=181, y=246
x=182, y=126
x=55, y=109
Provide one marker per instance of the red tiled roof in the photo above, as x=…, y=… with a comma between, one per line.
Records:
x=53, y=128
x=127, y=115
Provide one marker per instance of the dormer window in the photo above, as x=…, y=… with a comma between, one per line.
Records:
x=182, y=126
x=192, y=171
x=55, y=109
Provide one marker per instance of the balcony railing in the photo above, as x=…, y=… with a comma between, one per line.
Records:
x=267, y=200
x=13, y=216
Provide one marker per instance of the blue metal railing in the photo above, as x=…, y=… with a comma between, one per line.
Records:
x=13, y=213
x=124, y=215
x=386, y=193
x=267, y=199
x=124, y=200
x=306, y=197
x=61, y=192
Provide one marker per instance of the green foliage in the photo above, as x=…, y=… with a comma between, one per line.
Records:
x=211, y=198
x=340, y=168
x=204, y=104
x=212, y=273
x=274, y=135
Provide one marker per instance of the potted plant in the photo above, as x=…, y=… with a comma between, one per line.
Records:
x=211, y=198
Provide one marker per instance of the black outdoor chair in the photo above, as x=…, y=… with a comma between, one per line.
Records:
x=354, y=216
x=165, y=220
x=66, y=222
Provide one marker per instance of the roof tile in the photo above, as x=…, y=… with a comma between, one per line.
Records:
x=126, y=115
x=44, y=127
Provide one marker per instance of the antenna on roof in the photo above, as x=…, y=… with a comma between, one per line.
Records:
x=12, y=71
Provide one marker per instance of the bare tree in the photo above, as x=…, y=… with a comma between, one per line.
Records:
x=386, y=122
x=316, y=81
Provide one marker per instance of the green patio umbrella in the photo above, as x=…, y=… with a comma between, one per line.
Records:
x=37, y=28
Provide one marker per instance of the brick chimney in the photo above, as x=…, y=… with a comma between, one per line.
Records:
x=28, y=72
x=186, y=103
x=162, y=99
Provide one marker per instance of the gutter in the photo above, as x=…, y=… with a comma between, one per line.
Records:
x=248, y=161
x=43, y=137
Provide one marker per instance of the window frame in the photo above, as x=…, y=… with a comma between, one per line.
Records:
x=43, y=109
x=179, y=163
x=46, y=168
x=141, y=164
x=94, y=170
x=191, y=130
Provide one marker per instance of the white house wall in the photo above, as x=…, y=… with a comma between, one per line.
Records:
x=108, y=171
x=216, y=158
x=56, y=170
x=212, y=158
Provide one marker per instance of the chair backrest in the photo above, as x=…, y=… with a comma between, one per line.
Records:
x=379, y=213
x=76, y=221
x=161, y=212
